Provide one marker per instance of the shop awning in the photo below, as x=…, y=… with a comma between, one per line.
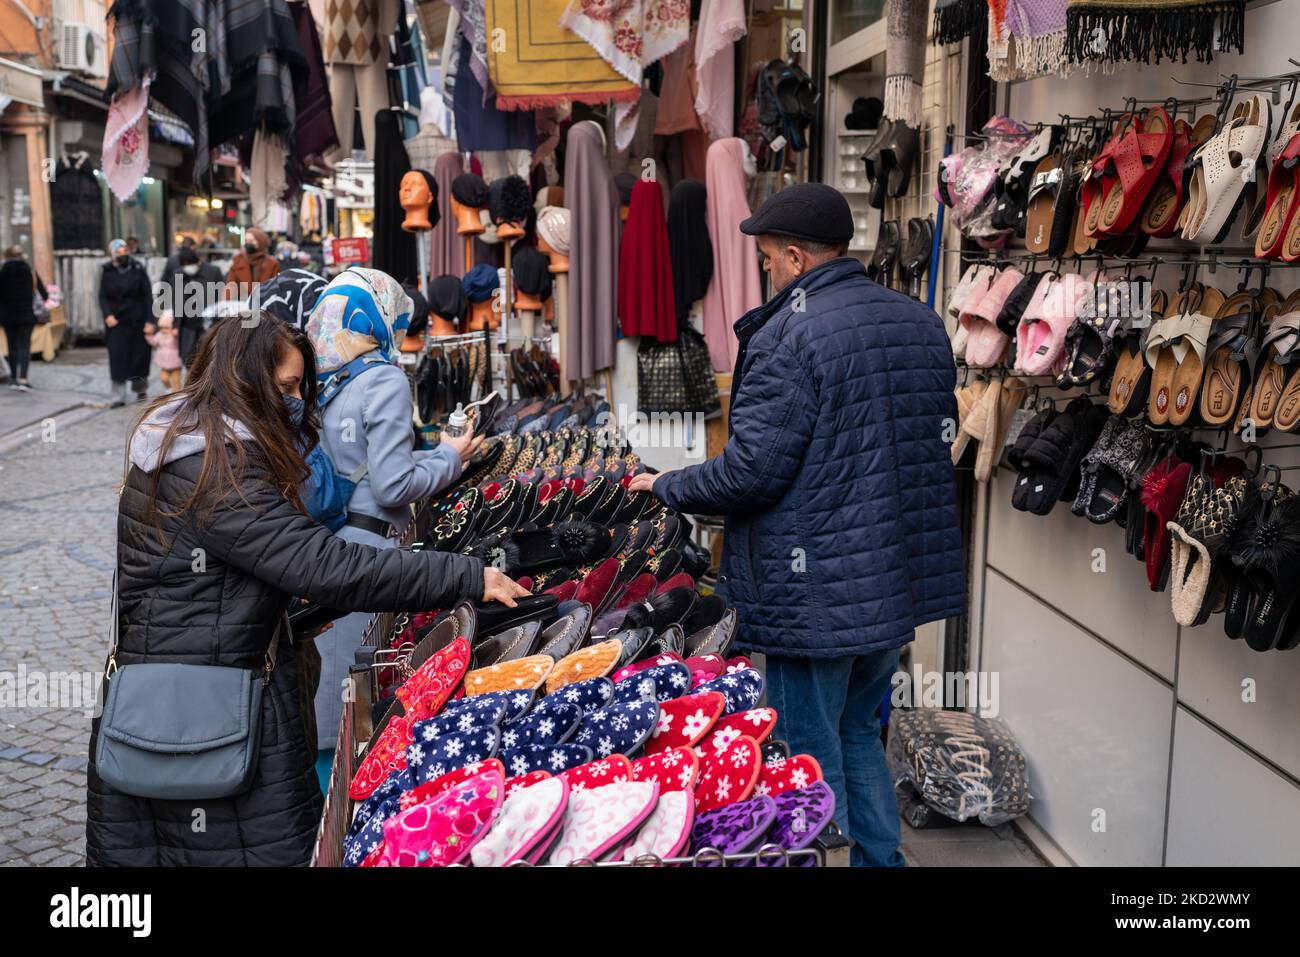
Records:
x=21, y=84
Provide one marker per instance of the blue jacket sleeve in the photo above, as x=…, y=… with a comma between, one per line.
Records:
x=398, y=475
x=772, y=424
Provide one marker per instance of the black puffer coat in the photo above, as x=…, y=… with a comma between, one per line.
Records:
x=256, y=557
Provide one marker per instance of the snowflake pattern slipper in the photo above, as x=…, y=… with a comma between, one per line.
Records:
x=742, y=689
x=660, y=683
x=590, y=695
x=546, y=724
x=598, y=773
x=618, y=729
x=729, y=775
x=433, y=759
x=788, y=774
x=536, y=757
x=677, y=769
x=666, y=658
x=514, y=703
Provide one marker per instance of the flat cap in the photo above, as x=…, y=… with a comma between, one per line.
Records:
x=812, y=211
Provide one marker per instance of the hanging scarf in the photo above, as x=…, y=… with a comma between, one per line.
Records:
x=1110, y=31
x=126, y=141
x=360, y=311
x=734, y=289
x=593, y=239
x=721, y=23
x=446, y=246
x=473, y=27
x=1037, y=29
x=689, y=245
x=645, y=282
x=905, y=60
x=955, y=20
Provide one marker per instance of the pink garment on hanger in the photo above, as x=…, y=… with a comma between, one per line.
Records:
x=735, y=288
x=126, y=141
x=722, y=23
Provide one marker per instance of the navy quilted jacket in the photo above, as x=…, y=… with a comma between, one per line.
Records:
x=842, y=533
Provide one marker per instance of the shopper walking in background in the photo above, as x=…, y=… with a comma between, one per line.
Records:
x=253, y=265
x=193, y=287
x=842, y=532
x=126, y=300
x=213, y=471
x=19, y=284
x=356, y=328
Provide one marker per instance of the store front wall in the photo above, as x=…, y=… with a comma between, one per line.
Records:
x=1148, y=743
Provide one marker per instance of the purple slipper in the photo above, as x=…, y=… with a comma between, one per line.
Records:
x=801, y=815
x=734, y=828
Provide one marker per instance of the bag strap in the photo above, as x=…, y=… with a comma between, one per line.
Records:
x=358, y=473
x=268, y=663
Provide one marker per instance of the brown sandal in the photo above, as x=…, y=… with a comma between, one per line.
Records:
x=1132, y=379
x=1281, y=336
x=1162, y=348
x=1185, y=388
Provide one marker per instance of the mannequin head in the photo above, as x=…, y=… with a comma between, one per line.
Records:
x=417, y=194
x=469, y=194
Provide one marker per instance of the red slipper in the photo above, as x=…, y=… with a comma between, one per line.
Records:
x=1130, y=170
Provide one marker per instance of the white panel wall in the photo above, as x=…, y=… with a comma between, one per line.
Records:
x=1083, y=652
x=1094, y=728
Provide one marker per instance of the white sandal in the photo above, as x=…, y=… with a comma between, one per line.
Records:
x=1224, y=165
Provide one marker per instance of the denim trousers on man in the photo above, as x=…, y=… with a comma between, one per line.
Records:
x=827, y=707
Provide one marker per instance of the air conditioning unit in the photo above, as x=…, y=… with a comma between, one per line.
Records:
x=83, y=37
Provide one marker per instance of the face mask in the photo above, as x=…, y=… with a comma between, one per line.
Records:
x=297, y=408
x=190, y=270
x=250, y=248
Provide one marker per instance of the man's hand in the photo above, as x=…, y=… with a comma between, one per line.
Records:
x=498, y=586
x=110, y=321
x=645, y=482
x=465, y=445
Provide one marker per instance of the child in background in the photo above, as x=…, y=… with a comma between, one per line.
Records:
x=166, y=351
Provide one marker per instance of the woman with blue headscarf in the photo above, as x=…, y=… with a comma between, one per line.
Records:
x=357, y=327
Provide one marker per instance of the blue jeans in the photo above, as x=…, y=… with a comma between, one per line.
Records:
x=826, y=707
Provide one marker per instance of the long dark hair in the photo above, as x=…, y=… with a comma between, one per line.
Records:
x=233, y=379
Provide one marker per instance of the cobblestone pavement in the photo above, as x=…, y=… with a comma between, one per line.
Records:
x=58, y=504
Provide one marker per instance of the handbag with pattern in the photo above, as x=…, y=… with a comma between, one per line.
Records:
x=676, y=376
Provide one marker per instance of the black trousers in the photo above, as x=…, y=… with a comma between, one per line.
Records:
x=20, y=351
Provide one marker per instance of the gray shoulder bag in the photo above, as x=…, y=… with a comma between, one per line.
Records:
x=180, y=732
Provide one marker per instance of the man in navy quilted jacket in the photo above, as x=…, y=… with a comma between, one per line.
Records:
x=842, y=533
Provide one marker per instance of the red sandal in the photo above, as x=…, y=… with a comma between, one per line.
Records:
x=1131, y=169
x=1282, y=202
x=1159, y=217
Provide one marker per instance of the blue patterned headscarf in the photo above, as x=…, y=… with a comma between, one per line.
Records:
x=360, y=311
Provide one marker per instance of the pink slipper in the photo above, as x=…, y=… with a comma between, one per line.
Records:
x=987, y=343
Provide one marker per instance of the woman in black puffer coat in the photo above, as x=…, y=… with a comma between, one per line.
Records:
x=17, y=317
x=212, y=541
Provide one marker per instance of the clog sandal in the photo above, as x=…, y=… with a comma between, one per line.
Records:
x=1183, y=398
x=1093, y=187
x=1283, y=198
x=1281, y=336
x=1221, y=169
x=1159, y=216
x=527, y=816
x=1131, y=168
x=1230, y=355
x=1168, y=344
x=1200, y=532
x=986, y=344
x=1109, y=468
x=1131, y=381
x=1163, y=489
x=1260, y=197
x=597, y=821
